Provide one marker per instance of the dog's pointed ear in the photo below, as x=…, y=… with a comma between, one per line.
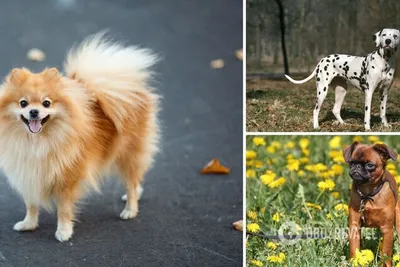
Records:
x=385, y=151
x=348, y=150
x=376, y=38
x=18, y=76
x=51, y=74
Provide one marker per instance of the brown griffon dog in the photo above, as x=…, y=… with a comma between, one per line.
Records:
x=373, y=197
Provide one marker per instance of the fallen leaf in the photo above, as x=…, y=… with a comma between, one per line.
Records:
x=36, y=55
x=238, y=225
x=217, y=64
x=215, y=167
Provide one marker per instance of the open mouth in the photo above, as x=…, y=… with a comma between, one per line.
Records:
x=35, y=126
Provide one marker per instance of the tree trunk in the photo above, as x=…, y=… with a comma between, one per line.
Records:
x=282, y=24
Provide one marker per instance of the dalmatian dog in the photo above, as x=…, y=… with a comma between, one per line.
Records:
x=370, y=73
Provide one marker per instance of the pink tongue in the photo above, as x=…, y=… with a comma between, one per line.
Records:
x=35, y=125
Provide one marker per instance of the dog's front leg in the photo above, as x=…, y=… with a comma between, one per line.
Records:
x=384, y=98
x=31, y=219
x=368, y=100
x=65, y=215
x=387, y=243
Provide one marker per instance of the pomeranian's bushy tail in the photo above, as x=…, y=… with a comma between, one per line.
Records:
x=117, y=74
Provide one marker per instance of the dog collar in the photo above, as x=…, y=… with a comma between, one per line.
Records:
x=364, y=198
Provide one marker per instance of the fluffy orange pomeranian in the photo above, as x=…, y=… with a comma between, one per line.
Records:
x=59, y=134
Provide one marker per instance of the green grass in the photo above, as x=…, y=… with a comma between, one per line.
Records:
x=289, y=200
x=280, y=106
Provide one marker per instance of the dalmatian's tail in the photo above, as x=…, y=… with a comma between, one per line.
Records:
x=301, y=81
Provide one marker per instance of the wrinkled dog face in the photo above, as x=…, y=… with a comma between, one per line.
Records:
x=387, y=38
x=367, y=162
x=31, y=100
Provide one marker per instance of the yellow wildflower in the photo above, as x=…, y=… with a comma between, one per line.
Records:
x=293, y=165
x=251, y=154
x=262, y=209
x=268, y=177
x=303, y=143
x=306, y=152
x=277, y=216
x=328, y=184
x=280, y=258
x=396, y=258
x=329, y=216
x=290, y=144
x=256, y=263
x=398, y=264
x=259, y=141
x=276, y=144
x=252, y=215
x=312, y=205
x=335, y=142
x=342, y=207
x=358, y=138
x=391, y=166
x=337, y=169
x=304, y=160
x=301, y=173
x=335, y=194
x=258, y=164
x=397, y=177
x=250, y=173
x=272, y=245
x=373, y=138
x=335, y=153
x=339, y=159
x=253, y=227
x=363, y=257
x=271, y=149
x=277, y=183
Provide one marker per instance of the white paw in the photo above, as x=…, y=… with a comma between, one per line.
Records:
x=128, y=214
x=387, y=125
x=139, y=192
x=63, y=234
x=25, y=226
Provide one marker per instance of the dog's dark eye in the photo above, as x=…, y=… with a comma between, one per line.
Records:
x=46, y=103
x=370, y=166
x=395, y=36
x=23, y=103
x=384, y=34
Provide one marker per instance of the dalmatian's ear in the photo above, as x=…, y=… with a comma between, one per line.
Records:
x=376, y=38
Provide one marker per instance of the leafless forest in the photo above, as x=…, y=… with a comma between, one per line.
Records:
x=314, y=28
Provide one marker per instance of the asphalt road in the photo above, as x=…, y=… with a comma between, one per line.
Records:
x=185, y=218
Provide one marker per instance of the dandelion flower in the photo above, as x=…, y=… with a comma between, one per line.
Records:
x=312, y=205
x=262, y=209
x=293, y=165
x=252, y=215
x=290, y=144
x=268, y=177
x=339, y=159
x=396, y=258
x=280, y=258
x=363, y=257
x=277, y=216
x=303, y=143
x=301, y=173
x=276, y=144
x=251, y=154
x=342, y=207
x=259, y=141
x=271, y=149
x=335, y=153
x=273, y=246
x=329, y=216
x=256, y=263
x=250, y=173
x=337, y=169
x=326, y=185
x=335, y=194
x=373, y=139
x=358, y=138
x=334, y=143
x=277, y=183
x=253, y=227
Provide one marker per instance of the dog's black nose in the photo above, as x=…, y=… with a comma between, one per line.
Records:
x=388, y=41
x=34, y=113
